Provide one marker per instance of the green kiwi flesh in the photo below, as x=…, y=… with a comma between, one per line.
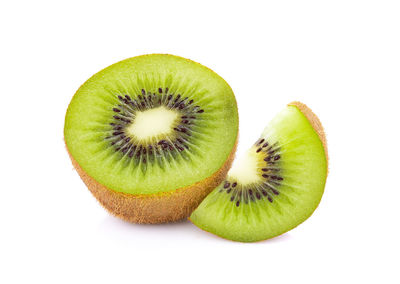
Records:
x=151, y=125
x=276, y=185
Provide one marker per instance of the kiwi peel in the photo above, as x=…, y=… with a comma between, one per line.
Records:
x=154, y=208
x=315, y=123
x=276, y=185
x=151, y=136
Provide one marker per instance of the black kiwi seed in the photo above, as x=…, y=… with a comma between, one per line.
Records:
x=269, y=189
x=274, y=191
x=125, y=111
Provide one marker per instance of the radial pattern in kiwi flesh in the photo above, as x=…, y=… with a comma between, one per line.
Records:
x=149, y=126
x=276, y=185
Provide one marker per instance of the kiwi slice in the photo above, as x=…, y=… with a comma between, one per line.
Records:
x=276, y=185
x=152, y=135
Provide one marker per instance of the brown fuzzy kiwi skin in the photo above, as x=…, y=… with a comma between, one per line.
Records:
x=155, y=208
x=315, y=123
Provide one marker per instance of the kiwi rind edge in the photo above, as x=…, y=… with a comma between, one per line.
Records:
x=315, y=123
x=155, y=208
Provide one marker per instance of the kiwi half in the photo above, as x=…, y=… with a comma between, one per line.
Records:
x=152, y=135
x=276, y=185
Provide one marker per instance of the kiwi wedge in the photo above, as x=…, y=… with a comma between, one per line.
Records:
x=276, y=185
x=152, y=135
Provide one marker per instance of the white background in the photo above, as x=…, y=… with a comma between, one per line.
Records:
x=342, y=58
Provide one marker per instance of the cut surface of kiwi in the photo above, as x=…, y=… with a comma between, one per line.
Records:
x=152, y=135
x=276, y=185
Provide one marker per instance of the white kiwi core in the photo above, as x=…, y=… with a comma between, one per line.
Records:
x=153, y=123
x=246, y=169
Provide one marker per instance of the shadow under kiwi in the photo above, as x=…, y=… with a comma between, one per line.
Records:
x=116, y=228
x=184, y=231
